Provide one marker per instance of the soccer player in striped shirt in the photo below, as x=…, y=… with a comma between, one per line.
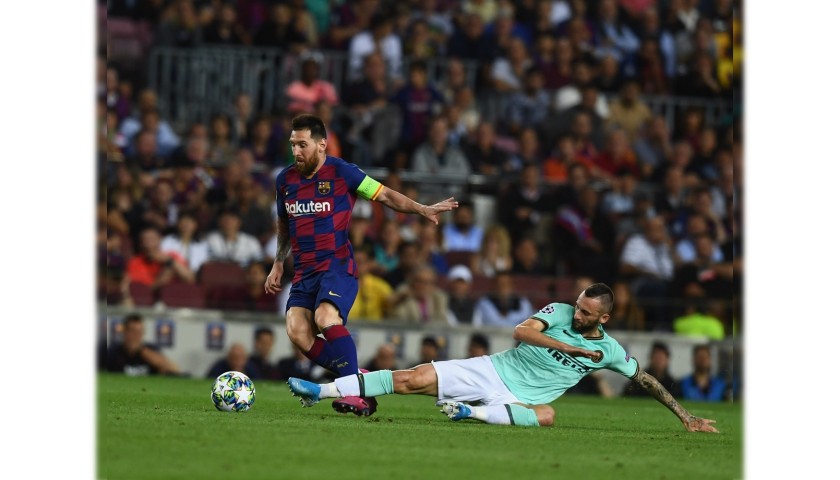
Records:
x=315, y=198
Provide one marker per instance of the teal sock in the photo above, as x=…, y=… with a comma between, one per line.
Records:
x=373, y=384
x=523, y=416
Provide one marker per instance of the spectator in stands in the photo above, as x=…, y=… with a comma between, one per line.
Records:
x=430, y=350
x=608, y=77
x=147, y=117
x=461, y=301
x=529, y=106
x=145, y=156
x=454, y=81
x=419, y=101
x=132, y=356
x=495, y=253
x=242, y=115
x=659, y=367
x=251, y=296
x=186, y=242
x=526, y=207
x=222, y=147
x=263, y=145
x=626, y=313
x=229, y=244
x=374, y=292
x=419, y=300
x=430, y=247
x=628, y=111
x=484, y=155
x=224, y=30
x=671, y=198
x=503, y=307
x=583, y=137
x=470, y=41
x=648, y=262
x=554, y=58
x=236, y=360
x=529, y=260
x=379, y=37
x=386, y=250
x=303, y=94
x=699, y=319
x=254, y=208
x=479, y=345
x=261, y=355
x=617, y=156
x=179, y=26
x=657, y=43
x=437, y=156
x=420, y=43
x=385, y=359
x=570, y=95
x=653, y=145
x=372, y=117
x=701, y=385
x=618, y=201
x=695, y=227
x=463, y=233
x=508, y=72
x=652, y=78
x=280, y=31
x=613, y=36
x=585, y=236
x=155, y=268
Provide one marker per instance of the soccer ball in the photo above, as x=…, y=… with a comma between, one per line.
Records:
x=233, y=392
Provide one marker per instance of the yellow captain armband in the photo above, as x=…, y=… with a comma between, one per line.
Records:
x=369, y=189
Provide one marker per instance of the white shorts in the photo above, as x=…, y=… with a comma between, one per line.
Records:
x=471, y=380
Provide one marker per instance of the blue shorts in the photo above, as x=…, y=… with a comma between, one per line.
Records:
x=337, y=287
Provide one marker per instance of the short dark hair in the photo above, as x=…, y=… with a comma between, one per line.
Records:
x=603, y=293
x=263, y=330
x=657, y=345
x=315, y=125
x=132, y=318
x=431, y=341
x=481, y=340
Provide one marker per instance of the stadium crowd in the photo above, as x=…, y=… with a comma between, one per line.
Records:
x=588, y=181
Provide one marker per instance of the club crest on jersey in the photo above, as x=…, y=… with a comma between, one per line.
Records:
x=323, y=188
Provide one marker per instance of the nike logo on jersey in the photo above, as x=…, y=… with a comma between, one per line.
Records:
x=334, y=294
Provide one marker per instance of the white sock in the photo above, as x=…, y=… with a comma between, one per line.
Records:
x=328, y=390
x=347, y=386
x=495, y=414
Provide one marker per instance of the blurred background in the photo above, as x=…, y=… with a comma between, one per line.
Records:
x=587, y=141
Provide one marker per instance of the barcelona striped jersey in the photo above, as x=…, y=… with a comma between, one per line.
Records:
x=319, y=211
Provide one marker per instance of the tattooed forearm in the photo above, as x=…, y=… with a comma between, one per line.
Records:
x=283, y=241
x=659, y=392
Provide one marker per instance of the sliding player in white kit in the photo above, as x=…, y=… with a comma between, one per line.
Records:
x=559, y=345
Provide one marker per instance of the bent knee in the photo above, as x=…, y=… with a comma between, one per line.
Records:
x=545, y=415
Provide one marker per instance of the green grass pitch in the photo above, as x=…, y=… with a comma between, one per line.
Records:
x=167, y=428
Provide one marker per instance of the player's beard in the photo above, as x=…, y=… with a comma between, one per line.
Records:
x=307, y=167
x=583, y=327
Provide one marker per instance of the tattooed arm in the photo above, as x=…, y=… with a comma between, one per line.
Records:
x=272, y=282
x=657, y=391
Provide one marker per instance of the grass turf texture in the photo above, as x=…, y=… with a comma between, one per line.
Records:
x=167, y=428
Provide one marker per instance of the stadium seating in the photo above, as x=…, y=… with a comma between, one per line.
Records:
x=183, y=295
x=141, y=294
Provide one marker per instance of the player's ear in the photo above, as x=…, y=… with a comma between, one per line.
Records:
x=604, y=318
x=322, y=145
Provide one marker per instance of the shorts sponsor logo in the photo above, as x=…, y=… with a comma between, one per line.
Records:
x=307, y=208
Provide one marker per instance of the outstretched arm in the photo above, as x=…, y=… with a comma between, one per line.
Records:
x=399, y=202
x=530, y=332
x=659, y=392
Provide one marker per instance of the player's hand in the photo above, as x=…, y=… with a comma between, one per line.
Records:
x=272, y=281
x=432, y=211
x=697, y=424
x=595, y=356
